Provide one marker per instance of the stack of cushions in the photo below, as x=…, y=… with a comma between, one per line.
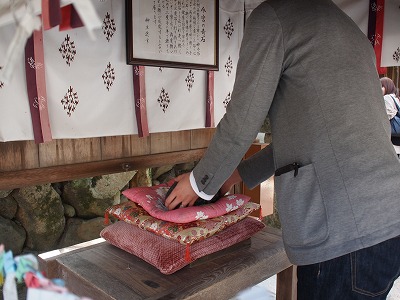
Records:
x=170, y=240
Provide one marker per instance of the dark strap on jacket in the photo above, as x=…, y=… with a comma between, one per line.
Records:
x=288, y=168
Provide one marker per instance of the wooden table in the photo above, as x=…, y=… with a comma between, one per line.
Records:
x=102, y=271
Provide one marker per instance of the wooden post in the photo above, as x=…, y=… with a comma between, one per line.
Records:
x=286, y=284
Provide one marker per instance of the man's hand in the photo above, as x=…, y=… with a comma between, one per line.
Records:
x=183, y=194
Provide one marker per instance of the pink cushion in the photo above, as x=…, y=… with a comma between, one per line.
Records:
x=169, y=256
x=185, y=233
x=152, y=199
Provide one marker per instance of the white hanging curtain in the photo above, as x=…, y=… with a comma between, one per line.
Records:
x=89, y=85
x=391, y=34
x=231, y=26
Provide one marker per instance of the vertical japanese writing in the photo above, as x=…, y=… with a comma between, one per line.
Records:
x=159, y=26
x=168, y=41
x=179, y=27
x=155, y=12
x=203, y=24
x=147, y=30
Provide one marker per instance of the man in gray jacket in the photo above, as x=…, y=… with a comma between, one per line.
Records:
x=337, y=179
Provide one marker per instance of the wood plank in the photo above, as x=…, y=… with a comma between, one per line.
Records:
x=16, y=179
x=21, y=155
x=18, y=155
x=112, y=273
x=140, y=145
x=115, y=147
x=124, y=146
x=69, y=151
x=180, y=140
x=170, y=141
x=160, y=142
x=201, y=138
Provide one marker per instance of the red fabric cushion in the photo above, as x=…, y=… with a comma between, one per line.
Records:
x=185, y=233
x=152, y=199
x=169, y=256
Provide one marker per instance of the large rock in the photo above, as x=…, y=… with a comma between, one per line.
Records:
x=157, y=172
x=184, y=167
x=8, y=207
x=69, y=210
x=92, y=196
x=165, y=177
x=41, y=213
x=12, y=235
x=80, y=230
x=143, y=177
x=4, y=193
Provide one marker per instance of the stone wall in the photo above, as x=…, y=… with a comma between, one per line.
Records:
x=45, y=217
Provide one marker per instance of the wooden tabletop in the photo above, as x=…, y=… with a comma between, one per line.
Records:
x=102, y=271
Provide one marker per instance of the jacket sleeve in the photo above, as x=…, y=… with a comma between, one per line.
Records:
x=258, y=167
x=258, y=72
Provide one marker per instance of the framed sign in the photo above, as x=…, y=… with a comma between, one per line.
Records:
x=176, y=34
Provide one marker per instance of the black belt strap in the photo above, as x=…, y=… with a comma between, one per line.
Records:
x=288, y=168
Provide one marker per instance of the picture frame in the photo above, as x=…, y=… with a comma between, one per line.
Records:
x=162, y=33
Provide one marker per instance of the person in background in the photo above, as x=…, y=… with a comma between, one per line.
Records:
x=309, y=67
x=390, y=95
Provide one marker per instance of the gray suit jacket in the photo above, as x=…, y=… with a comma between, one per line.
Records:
x=307, y=65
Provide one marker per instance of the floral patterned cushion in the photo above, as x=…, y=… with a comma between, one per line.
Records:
x=185, y=233
x=152, y=199
x=170, y=256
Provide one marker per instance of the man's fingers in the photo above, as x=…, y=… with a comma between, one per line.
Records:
x=173, y=201
x=182, y=195
x=178, y=203
x=174, y=204
x=170, y=199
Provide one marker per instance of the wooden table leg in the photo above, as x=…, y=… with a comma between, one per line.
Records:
x=286, y=284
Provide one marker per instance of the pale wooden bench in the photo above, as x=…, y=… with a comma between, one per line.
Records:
x=101, y=271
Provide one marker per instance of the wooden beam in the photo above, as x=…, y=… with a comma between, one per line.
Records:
x=15, y=179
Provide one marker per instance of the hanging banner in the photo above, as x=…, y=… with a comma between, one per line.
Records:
x=176, y=99
x=210, y=100
x=391, y=34
x=15, y=121
x=139, y=88
x=36, y=86
x=380, y=15
x=69, y=18
x=51, y=13
x=372, y=22
x=89, y=84
x=231, y=25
